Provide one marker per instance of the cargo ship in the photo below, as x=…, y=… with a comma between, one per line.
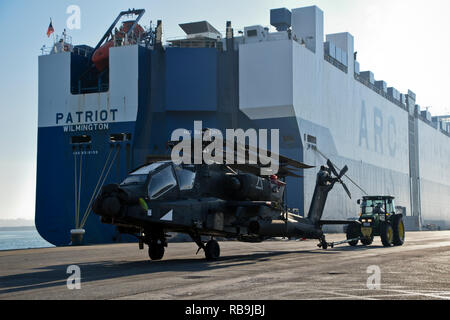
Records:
x=104, y=110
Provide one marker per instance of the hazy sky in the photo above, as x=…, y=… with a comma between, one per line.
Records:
x=404, y=42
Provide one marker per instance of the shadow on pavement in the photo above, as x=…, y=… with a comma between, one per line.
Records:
x=56, y=275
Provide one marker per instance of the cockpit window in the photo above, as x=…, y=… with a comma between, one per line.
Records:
x=134, y=179
x=186, y=177
x=140, y=176
x=161, y=182
x=147, y=169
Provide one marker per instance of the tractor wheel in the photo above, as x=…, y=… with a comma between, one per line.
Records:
x=387, y=234
x=367, y=241
x=353, y=232
x=399, y=230
x=212, y=250
x=156, y=251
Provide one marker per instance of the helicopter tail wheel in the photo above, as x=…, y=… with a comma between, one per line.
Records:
x=387, y=234
x=324, y=243
x=156, y=251
x=212, y=250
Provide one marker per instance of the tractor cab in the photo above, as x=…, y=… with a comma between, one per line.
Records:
x=377, y=207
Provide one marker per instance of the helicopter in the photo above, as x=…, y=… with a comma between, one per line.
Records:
x=232, y=201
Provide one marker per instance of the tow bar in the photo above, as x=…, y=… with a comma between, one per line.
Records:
x=333, y=244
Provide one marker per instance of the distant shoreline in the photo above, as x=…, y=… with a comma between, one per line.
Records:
x=19, y=223
x=17, y=228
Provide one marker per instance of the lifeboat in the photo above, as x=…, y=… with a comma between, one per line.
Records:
x=100, y=58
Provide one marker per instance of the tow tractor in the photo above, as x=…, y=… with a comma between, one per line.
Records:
x=378, y=218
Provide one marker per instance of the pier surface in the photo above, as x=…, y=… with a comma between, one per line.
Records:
x=272, y=270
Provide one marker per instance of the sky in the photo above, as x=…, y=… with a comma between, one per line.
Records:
x=404, y=42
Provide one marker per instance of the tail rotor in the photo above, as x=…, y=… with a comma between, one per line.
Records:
x=339, y=176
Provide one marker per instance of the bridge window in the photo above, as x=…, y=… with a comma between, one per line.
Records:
x=120, y=137
x=81, y=139
x=310, y=139
x=252, y=33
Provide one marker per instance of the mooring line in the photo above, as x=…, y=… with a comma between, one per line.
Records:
x=79, y=188
x=83, y=222
x=75, y=189
x=98, y=183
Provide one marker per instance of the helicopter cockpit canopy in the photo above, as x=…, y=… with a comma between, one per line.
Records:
x=161, y=177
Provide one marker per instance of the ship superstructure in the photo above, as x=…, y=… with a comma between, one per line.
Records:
x=100, y=118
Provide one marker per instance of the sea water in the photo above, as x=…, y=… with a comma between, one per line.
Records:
x=15, y=238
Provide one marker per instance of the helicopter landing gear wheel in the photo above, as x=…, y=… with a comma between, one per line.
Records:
x=323, y=243
x=156, y=251
x=212, y=250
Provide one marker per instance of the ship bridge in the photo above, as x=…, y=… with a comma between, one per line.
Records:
x=199, y=35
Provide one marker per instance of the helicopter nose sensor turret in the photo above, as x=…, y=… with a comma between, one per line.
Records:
x=111, y=206
x=111, y=200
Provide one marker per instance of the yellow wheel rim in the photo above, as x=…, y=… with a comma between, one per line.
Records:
x=390, y=234
x=401, y=230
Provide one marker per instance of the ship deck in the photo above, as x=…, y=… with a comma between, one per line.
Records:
x=270, y=270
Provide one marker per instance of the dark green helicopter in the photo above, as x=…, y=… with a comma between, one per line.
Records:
x=218, y=200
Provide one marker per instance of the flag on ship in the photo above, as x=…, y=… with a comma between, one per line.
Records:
x=50, y=29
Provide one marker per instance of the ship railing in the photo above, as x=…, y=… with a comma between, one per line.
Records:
x=63, y=43
x=80, y=51
x=56, y=48
x=336, y=63
x=445, y=132
x=434, y=125
x=381, y=92
x=64, y=37
x=46, y=50
x=84, y=52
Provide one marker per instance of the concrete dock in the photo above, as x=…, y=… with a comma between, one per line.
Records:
x=271, y=270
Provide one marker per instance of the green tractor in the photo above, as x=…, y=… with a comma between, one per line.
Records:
x=378, y=218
